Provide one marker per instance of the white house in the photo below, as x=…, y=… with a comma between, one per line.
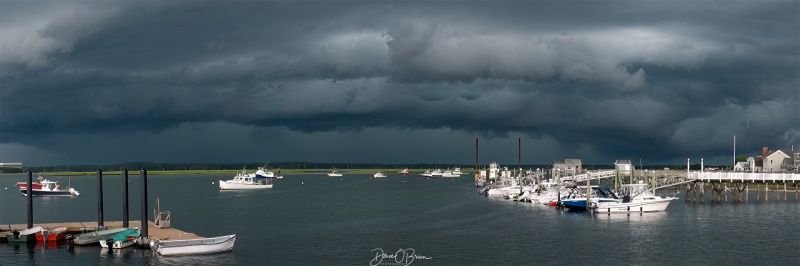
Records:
x=755, y=164
x=742, y=167
x=774, y=162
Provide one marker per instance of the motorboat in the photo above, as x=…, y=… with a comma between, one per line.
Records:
x=334, y=173
x=636, y=198
x=55, y=234
x=244, y=181
x=121, y=240
x=449, y=174
x=457, y=171
x=93, y=237
x=27, y=235
x=404, y=171
x=378, y=174
x=193, y=246
x=434, y=173
x=46, y=188
x=600, y=195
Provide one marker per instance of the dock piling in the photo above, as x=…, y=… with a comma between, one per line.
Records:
x=30, y=199
x=125, y=198
x=100, y=198
x=144, y=219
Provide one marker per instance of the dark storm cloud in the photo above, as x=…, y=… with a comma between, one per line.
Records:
x=615, y=79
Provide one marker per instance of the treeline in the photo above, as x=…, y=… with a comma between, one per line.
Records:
x=310, y=166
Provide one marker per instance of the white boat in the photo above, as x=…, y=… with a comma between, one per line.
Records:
x=457, y=171
x=434, y=173
x=27, y=235
x=637, y=198
x=449, y=174
x=334, y=173
x=404, y=171
x=244, y=181
x=378, y=174
x=194, y=246
x=264, y=173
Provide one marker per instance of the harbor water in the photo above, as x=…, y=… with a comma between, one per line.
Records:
x=313, y=219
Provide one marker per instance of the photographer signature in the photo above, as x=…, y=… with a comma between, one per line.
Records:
x=402, y=257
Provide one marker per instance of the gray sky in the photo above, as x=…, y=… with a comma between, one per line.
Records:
x=102, y=82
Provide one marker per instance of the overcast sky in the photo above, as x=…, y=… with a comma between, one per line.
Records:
x=104, y=82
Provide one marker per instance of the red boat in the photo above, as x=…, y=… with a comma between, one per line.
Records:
x=55, y=234
x=24, y=185
x=46, y=188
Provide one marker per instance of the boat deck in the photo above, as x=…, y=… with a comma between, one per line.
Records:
x=80, y=227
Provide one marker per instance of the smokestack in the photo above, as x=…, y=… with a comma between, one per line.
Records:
x=764, y=153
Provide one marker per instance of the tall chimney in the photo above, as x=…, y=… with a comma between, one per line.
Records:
x=764, y=153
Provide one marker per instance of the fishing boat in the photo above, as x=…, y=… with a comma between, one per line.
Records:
x=378, y=174
x=27, y=235
x=244, y=181
x=46, y=188
x=55, y=234
x=93, y=237
x=334, y=173
x=404, y=171
x=434, y=173
x=636, y=198
x=194, y=246
x=121, y=240
x=262, y=172
x=457, y=171
x=450, y=174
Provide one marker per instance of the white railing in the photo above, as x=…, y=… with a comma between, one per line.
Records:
x=742, y=177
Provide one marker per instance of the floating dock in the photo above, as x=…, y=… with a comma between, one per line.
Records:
x=155, y=233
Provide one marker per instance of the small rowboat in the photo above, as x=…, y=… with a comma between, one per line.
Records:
x=194, y=246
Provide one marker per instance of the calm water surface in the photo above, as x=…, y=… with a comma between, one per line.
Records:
x=341, y=221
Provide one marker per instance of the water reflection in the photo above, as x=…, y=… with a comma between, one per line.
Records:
x=210, y=259
x=645, y=218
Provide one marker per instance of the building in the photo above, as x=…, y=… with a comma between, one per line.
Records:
x=569, y=167
x=778, y=161
x=623, y=166
x=742, y=167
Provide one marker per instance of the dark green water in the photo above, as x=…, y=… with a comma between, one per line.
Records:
x=340, y=221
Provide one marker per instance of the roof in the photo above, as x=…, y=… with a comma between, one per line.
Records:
x=572, y=161
x=622, y=162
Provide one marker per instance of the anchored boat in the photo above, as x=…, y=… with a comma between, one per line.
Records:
x=245, y=181
x=46, y=188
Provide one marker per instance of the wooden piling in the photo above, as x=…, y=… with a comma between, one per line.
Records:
x=30, y=199
x=100, y=198
x=143, y=176
x=125, y=198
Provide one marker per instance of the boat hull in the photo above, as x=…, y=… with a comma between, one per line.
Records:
x=195, y=246
x=24, y=236
x=224, y=185
x=94, y=237
x=41, y=193
x=56, y=234
x=21, y=238
x=647, y=206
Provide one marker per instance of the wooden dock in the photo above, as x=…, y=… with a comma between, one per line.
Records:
x=79, y=227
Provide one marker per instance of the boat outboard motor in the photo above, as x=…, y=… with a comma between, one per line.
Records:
x=16, y=234
x=70, y=239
